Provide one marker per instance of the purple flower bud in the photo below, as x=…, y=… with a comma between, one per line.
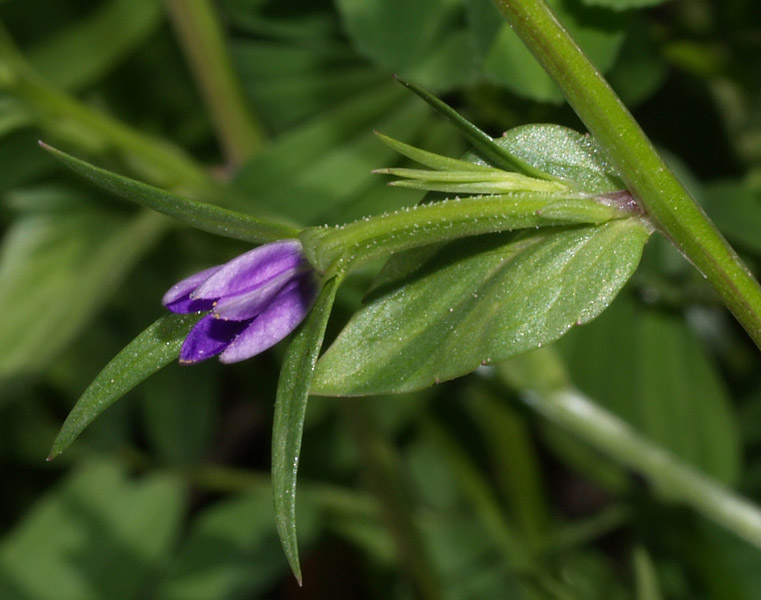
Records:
x=255, y=300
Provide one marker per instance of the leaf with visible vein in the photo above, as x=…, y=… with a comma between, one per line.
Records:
x=479, y=301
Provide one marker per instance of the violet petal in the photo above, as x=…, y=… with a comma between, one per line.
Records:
x=247, y=305
x=177, y=299
x=279, y=319
x=251, y=269
x=208, y=338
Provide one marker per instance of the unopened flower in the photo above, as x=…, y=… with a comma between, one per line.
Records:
x=255, y=300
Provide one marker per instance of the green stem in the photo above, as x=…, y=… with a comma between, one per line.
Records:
x=652, y=183
x=669, y=475
x=353, y=244
x=203, y=42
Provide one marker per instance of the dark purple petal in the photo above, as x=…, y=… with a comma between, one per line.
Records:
x=247, y=305
x=178, y=300
x=251, y=269
x=284, y=313
x=188, y=305
x=208, y=338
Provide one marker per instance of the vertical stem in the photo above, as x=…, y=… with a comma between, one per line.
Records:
x=658, y=191
x=382, y=465
x=202, y=39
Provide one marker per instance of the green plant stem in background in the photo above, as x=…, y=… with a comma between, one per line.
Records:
x=664, y=199
x=544, y=386
x=383, y=470
x=156, y=160
x=669, y=475
x=202, y=39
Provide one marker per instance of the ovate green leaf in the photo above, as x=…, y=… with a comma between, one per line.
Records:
x=479, y=301
x=574, y=158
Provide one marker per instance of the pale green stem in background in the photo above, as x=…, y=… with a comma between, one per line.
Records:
x=669, y=206
x=541, y=377
x=202, y=39
x=667, y=474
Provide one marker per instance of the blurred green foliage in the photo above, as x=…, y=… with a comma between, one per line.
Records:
x=458, y=491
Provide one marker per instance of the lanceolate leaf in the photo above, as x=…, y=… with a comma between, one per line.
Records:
x=200, y=215
x=290, y=410
x=153, y=349
x=496, y=154
x=479, y=301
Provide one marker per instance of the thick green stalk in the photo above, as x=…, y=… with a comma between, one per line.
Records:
x=203, y=42
x=667, y=203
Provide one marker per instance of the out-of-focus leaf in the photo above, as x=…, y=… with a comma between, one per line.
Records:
x=288, y=83
x=647, y=367
x=179, y=409
x=639, y=70
x=290, y=410
x=623, y=4
x=430, y=47
x=21, y=160
x=201, y=215
x=90, y=47
x=232, y=551
x=735, y=207
x=731, y=562
x=99, y=534
x=56, y=268
x=505, y=59
x=13, y=115
x=309, y=21
x=480, y=301
x=153, y=349
x=327, y=163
